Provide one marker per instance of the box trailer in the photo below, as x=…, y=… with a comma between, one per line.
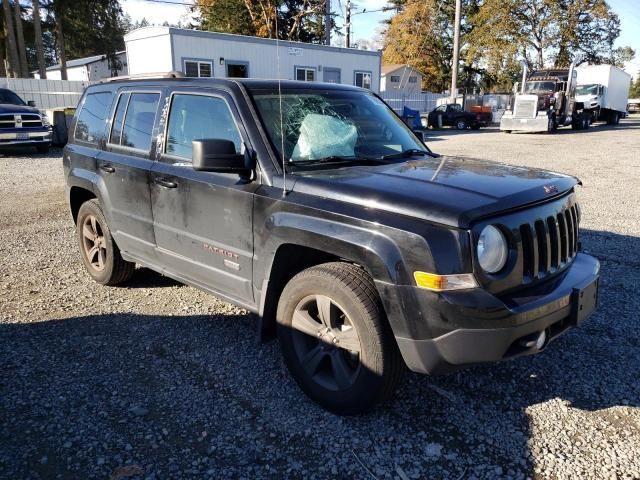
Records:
x=604, y=91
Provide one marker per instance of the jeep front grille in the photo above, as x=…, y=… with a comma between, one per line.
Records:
x=549, y=244
x=20, y=120
x=525, y=108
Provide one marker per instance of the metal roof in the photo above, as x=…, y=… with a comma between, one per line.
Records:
x=78, y=62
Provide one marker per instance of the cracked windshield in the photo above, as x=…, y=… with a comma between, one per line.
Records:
x=332, y=125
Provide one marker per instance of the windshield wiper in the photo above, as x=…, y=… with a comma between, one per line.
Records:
x=409, y=153
x=332, y=159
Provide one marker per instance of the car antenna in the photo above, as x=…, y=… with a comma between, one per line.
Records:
x=284, y=167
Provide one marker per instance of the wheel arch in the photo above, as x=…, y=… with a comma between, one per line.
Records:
x=320, y=241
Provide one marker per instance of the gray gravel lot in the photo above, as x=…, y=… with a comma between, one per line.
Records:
x=159, y=380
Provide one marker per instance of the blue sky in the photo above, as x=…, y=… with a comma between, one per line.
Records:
x=367, y=25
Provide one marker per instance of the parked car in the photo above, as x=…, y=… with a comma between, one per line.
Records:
x=452, y=115
x=22, y=124
x=315, y=207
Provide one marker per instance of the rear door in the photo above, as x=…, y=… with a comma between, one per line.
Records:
x=203, y=221
x=125, y=165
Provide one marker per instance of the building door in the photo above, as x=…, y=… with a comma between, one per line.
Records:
x=331, y=75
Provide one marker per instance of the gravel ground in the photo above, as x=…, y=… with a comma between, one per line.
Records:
x=159, y=380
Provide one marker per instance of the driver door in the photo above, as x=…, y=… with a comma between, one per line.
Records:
x=203, y=221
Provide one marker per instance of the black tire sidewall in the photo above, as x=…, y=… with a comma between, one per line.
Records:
x=362, y=394
x=93, y=208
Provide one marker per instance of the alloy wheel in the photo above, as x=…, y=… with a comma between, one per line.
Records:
x=93, y=242
x=326, y=342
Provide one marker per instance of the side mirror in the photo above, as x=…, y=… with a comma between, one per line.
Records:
x=31, y=103
x=217, y=155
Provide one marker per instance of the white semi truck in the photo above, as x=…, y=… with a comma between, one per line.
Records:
x=603, y=91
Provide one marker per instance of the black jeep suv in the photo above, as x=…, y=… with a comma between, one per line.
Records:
x=314, y=206
x=22, y=124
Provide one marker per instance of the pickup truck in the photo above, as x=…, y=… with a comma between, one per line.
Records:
x=316, y=208
x=453, y=115
x=22, y=124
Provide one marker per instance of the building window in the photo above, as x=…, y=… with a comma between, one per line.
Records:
x=413, y=79
x=363, y=80
x=195, y=68
x=238, y=69
x=305, y=74
x=395, y=78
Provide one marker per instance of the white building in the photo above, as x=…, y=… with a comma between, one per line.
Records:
x=401, y=79
x=88, y=68
x=221, y=55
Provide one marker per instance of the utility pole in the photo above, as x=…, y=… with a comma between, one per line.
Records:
x=327, y=22
x=347, y=21
x=456, y=50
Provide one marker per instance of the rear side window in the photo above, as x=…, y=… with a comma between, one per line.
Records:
x=199, y=117
x=91, y=120
x=134, y=119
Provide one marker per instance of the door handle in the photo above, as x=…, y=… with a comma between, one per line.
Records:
x=163, y=182
x=107, y=168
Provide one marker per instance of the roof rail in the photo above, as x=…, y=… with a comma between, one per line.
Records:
x=139, y=76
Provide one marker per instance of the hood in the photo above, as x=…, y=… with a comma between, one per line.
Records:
x=11, y=108
x=448, y=190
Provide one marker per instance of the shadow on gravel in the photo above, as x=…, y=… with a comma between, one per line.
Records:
x=147, y=278
x=31, y=152
x=194, y=396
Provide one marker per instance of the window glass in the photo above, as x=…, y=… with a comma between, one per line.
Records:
x=318, y=124
x=116, y=129
x=237, y=70
x=191, y=69
x=305, y=74
x=138, y=124
x=363, y=79
x=91, y=119
x=7, y=96
x=395, y=78
x=198, y=117
x=413, y=79
x=204, y=69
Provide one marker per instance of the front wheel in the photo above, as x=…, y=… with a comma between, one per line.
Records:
x=335, y=339
x=100, y=254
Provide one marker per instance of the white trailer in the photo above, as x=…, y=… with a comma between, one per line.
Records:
x=604, y=91
x=221, y=55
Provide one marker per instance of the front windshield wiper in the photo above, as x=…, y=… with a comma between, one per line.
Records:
x=351, y=159
x=409, y=153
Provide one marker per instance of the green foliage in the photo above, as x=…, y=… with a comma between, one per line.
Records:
x=634, y=91
x=301, y=20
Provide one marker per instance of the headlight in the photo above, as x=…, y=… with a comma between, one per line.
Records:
x=492, y=249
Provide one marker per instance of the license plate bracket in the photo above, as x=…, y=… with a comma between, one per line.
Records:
x=22, y=136
x=584, y=301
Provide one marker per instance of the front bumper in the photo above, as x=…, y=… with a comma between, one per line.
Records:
x=22, y=137
x=456, y=329
x=538, y=124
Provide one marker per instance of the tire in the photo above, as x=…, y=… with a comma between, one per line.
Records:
x=345, y=381
x=507, y=131
x=551, y=124
x=43, y=148
x=102, y=260
x=614, y=118
x=461, y=125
